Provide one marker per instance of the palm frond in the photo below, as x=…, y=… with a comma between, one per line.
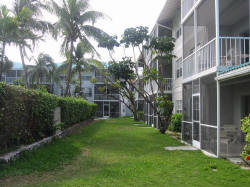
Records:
x=91, y=16
x=94, y=32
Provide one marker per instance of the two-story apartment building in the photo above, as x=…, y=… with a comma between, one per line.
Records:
x=211, y=71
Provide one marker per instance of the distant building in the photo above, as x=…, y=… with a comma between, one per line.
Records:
x=106, y=97
x=15, y=73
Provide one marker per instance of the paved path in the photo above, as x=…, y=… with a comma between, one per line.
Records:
x=181, y=148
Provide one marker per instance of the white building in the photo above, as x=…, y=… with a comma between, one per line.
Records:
x=212, y=49
x=108, y=104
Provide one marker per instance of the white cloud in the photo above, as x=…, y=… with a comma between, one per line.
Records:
x=123, y=14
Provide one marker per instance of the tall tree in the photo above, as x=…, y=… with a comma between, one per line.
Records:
x=76, y=22
x=127, y=72
x=83, y=64
x=109, y=43
x=7, y=30
x=30, y=27
x=121, y=75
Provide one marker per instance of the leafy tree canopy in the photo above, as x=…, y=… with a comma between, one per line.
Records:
x=109, y=42
x=123, y=70
x=135, y=36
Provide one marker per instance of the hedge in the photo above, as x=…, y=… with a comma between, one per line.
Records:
x=27, y=116
x=246, y=129
x=75, y=110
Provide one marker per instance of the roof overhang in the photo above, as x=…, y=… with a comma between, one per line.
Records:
x=169, y=11
x=234, y=74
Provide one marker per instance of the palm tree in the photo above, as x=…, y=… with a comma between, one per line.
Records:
x=7, y=28
x=75, y=24
x=44, y=68
x=30, y=27
x=83, y=64
x=80, y=65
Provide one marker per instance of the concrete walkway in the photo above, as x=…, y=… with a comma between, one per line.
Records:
x=181, y=148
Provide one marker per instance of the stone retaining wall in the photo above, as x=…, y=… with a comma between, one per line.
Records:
x=59, y=134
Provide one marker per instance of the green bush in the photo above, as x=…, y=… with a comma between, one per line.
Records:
x=246, y=129
x=175, y=124
x=140, y=115
x=27, y=116
x=75, y=110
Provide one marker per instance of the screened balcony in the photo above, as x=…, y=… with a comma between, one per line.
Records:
x=234, y=33
x=199, y=40
x=199, y=127
x=187, y=5
x=235, y=105
x=167, y=84
x=205, y=59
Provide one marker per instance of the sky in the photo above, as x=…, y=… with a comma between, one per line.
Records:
x=122, y=14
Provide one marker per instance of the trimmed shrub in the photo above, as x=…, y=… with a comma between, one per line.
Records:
x=246, y=129
x=26, y=116
x=75, y=110
x=140, y=115
x=175, y=124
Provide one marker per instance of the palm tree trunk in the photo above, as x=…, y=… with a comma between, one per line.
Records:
x=80, y=78
x=70, y=69
x=2, y=59
x=24, y=66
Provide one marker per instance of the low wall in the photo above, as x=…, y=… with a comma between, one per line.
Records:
x=60, y=134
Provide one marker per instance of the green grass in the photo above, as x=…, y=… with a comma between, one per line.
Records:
x=118, y=153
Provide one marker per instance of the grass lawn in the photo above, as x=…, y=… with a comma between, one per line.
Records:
x=117, y=153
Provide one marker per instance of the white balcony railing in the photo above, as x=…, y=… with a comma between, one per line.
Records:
x=205, y=59
x=167, y=84
x=234, y=51
x=188, y=66
x=206, y=56
x=109, y=97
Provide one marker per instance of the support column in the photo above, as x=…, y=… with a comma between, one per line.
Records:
x=217, y=25
x=195, y=41
x=157, y=68
x=218, y=118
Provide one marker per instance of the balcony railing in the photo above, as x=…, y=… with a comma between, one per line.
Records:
x=234, y=51
x=205, y=59
x=167, y=84
x=110, y=97
x=100, y=78
x=188, y=66
x=10, y=80
x=206, y=56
